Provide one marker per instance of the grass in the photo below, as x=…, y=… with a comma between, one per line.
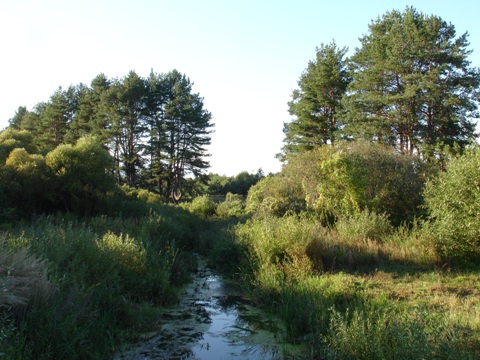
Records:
x=350, y=295
x=78, y=288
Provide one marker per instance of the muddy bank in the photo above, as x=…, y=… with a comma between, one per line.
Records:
x=211, y=321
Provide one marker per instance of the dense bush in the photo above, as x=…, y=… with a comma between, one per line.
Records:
x=82, y=175
x=233, y=206
x=201, y=205
x=354, y=177
x=75, y=178
x=11, y=139
x=341, y=180
x=26, y=183
x=275, y=195
x=453, y=201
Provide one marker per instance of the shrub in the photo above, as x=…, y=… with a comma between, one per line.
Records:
x=275, y=195
x=453, y=202
x=82, y=174
x=203, y=206
x=233, y=206
x=15, y=139
x=25, y=183
x=364, y=225
x=350, y=177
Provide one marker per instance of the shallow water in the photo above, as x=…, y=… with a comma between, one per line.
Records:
x=210, y=322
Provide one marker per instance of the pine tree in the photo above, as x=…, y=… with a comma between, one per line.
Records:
x=316, y=105
x=412, y=85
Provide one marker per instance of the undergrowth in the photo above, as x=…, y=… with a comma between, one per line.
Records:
x=376, y=292
x=75, y=288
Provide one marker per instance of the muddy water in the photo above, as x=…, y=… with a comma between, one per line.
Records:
x=211, y=321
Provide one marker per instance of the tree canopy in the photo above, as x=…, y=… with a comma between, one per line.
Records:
x=156, y=128
x=410, y=85
x=317, y=104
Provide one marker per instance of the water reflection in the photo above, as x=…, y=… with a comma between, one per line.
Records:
x=209, y=323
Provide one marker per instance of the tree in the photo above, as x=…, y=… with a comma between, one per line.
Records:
x=179, y=132
x=55, y=118
x=159, y=94
x=317, y=104
x=124, y=105
x=89, y=118
x=156, y=129
x=188, y=133
x=412, y=85
x=82, y=174
x=17, y=118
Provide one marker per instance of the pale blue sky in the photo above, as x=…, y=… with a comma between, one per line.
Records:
x=244, y=57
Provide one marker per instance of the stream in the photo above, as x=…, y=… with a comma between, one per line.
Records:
x=211, y=321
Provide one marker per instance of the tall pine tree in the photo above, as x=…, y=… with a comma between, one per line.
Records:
x=316, y=105
x=412, y=85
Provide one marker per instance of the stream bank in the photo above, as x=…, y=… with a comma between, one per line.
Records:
x=212, y=320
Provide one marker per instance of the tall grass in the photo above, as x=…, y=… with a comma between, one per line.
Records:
x=360, y=290
x=77, y=288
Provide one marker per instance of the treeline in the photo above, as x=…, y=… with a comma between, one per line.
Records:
x=409, y=85
x=155, y=128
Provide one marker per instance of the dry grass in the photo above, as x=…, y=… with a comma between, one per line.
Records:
x=23, y=279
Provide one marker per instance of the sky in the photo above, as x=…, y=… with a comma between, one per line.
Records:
x=244, y=57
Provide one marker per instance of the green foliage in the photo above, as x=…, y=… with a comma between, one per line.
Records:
x=412, y=85
x=364, y=225
x=316, y=106
x=453, y=201
x=275, y=195
x=233, y=206
x=201, y=205
x=82, y=174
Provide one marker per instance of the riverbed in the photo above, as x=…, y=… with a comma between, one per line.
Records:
x=212, y=320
